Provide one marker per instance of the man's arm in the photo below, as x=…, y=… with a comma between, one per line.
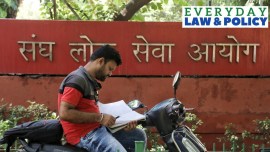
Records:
x=68, y=113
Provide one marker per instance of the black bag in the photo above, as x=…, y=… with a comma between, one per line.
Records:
x=42, y=131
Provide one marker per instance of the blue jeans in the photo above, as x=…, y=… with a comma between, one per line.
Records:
x=101, y=140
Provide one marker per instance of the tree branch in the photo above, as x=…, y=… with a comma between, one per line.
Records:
x=54, y=10
x=131, y=8
x=72, y=10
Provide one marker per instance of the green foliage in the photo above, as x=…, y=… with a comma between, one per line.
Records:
x=232, y=137
x=5, y=125
x=264, y=3
x=3, y=12
x=263, y=128
x=8, y=7
x=193, y=120
x=80, y=10
x=260, y=136
x=160, y=10
x=106, y=10
x=11, y=115
x=200, y=3
x=153, y=139
x=97, y=10
x=163, y=10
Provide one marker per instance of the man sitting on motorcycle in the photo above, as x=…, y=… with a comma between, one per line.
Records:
x=83, y=124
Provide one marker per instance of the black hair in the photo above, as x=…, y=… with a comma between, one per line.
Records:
x=108, y=53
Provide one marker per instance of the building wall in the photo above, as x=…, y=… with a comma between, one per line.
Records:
x=223, y=87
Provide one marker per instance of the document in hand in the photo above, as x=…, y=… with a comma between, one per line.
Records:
x=121, y=110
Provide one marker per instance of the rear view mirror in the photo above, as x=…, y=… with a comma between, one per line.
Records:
x=176, y=82
x=135, y=104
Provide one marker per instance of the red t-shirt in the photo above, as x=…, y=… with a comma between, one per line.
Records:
x=73, y=132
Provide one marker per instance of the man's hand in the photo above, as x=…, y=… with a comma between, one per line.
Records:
x=131, y=125
x=107, y=120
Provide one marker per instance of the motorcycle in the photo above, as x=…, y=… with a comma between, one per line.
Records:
x=167, y=117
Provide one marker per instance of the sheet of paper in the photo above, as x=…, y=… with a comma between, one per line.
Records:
x=115, y=108
x=127, y=117
x=121, y=109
